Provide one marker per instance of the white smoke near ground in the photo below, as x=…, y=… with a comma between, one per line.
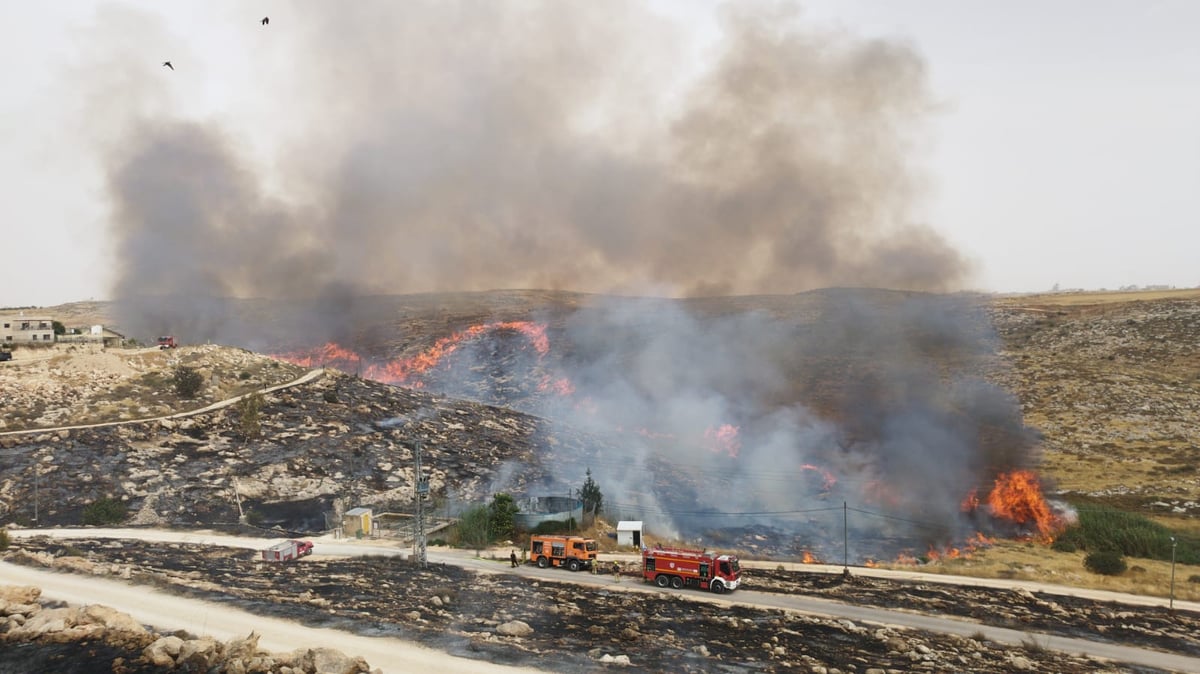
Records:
x=731, y=419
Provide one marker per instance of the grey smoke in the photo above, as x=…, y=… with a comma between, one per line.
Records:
x=468, y=146
x=551, y=145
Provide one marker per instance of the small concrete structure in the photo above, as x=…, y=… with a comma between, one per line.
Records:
x=629, y=533
x=357, y=522
x=535, y=510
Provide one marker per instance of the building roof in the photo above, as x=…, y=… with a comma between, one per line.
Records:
x=629, y=525
x=359, y=511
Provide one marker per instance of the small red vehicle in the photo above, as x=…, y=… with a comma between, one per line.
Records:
x=166, y=342
x=287, y=551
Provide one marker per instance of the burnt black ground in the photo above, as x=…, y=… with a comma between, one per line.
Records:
x=573, y=624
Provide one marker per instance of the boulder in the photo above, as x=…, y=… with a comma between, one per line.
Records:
x=514, y=628
x=20, y=594
x=163, y=651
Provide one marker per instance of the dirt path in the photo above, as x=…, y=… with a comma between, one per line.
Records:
x=309, y=376
x=168, y=612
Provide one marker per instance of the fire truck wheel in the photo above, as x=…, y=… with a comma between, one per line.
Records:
x=662, y=580
x=542, y=562
x=573, y=565
x=676, y=582
x=718, y=587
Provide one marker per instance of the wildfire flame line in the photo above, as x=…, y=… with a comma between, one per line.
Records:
x=403, y=370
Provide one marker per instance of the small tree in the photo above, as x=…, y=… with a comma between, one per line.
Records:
x=593, y=500
x=503, y=512
x=59, y=328
x=249, y=414
x=187, y=381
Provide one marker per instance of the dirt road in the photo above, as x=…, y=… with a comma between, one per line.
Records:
x=171, y=612
x=795, y=603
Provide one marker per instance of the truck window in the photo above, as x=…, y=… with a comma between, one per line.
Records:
x=725, y=569
x=591, y=546
x=704, y=570
x=537, y=547
x=649, y=563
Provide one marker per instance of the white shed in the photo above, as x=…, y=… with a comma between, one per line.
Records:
x=629, y=532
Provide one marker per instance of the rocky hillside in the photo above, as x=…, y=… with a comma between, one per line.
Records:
x=40, y=636
x=1109, y=385
x=1112, y=382
x=338, y=438
x=84, y=384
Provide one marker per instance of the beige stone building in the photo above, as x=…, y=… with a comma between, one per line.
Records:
x=26, y=329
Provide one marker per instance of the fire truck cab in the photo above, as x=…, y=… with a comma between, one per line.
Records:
x=679, y=568
x=166, y=342
x=573, y=552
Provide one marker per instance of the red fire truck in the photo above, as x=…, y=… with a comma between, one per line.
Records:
x=678, y=568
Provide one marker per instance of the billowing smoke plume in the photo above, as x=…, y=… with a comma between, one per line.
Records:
x=433, y=146
x=464, y=146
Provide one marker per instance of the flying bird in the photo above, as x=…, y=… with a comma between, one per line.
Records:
x=266, y=20
x=168, y=64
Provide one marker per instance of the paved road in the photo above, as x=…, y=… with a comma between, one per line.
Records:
x=814, y=606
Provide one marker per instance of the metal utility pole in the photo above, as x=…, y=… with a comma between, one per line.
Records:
x=1173, y=544
x=237, y=495
x=421, y=488
x=36, y=480
x=845, y=539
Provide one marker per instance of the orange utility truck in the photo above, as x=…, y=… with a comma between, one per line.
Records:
x=573, y=552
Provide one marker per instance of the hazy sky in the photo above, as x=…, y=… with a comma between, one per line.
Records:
x=1062, y=145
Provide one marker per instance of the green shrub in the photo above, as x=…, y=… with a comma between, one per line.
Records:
x=330, y=396
x=1132, y=535
x=1063, y=545
x=1105, y=562
x=1194, y=578
x=105, y=511
x=4, y=540
x=474, y=527
x=187, y=381
x=243, y=375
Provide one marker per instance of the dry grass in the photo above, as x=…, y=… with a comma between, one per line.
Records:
x=1039, y=563
x=1076, y=299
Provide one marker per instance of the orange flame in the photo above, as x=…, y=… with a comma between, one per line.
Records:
x=1017, y=497
x=827, y=478
x=971, y=502
x=724, y=438
x=871, y=564
x=808, y=558
x=402, y=370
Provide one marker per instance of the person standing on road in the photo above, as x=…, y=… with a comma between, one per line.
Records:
x=512, y=557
